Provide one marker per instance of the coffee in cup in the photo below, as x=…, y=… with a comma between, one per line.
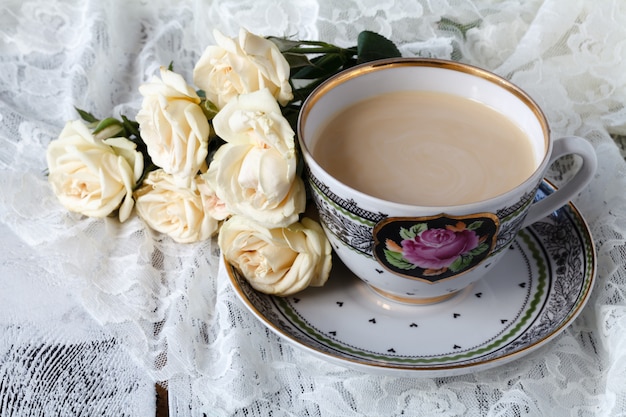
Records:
x=424, y=170
x=457, y=150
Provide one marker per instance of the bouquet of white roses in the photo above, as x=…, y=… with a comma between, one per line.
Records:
x=221, y=159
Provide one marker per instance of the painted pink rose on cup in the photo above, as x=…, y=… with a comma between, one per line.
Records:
x=434, y=248
x=438, y=248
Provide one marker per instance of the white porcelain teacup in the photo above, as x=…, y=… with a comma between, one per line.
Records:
x=426, y=252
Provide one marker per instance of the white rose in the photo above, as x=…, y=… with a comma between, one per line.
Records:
x=255, y=118
x=174, y=210
x=258, y=183
x=173, y=126
x=93, y=176
x=240, y=66
x=212, y=203
x=280, y=261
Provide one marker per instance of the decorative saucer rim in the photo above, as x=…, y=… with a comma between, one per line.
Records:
x=337, y=354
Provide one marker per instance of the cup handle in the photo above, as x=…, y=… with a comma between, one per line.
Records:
x=565, y=146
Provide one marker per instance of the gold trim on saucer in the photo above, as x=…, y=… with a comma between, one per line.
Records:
x=326, y=347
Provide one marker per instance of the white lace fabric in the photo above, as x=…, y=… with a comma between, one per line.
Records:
x=170, y=306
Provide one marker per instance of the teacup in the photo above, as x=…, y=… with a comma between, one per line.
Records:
x=420, y=245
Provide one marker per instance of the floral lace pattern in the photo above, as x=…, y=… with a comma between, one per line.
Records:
x=171, y=306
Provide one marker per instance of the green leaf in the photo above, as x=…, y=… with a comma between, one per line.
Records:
x=300, y=94
x=418, y=228
x=209, y=109
x=291, y=113
x=406, y=233
x=479, y=249
x=461, y=263
x=475, y=225
x=396, y=259
x=413, y=231
x=308, y=47
x=86, y=116
x=284, y=44
x=321, y=67
x=372, y=46
x=108, y=128
x=131, y=127
x=296, y=60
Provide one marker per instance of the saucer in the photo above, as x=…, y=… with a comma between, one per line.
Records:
x=527, y=299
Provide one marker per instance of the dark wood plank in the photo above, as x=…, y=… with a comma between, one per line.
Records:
x=162, y=407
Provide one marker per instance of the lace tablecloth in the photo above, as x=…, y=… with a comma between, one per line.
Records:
x=108, y=292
